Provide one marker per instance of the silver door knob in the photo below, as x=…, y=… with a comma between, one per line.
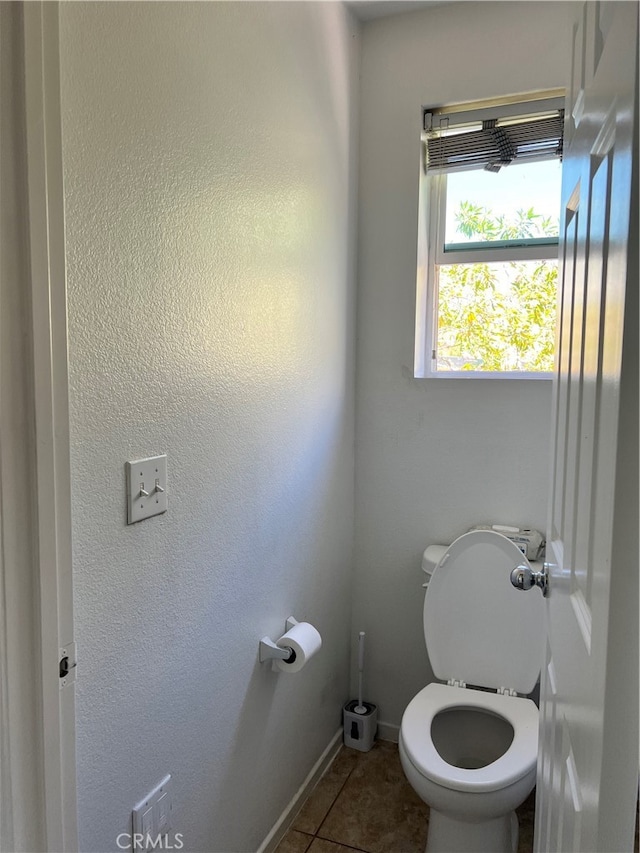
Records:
x=523, y=577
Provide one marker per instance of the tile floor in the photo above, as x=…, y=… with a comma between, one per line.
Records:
x=364, y=803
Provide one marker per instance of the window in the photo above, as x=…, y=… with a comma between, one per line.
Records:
x=488, y=240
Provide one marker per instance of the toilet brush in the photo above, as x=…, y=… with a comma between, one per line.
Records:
x=360, y=718
x=360, y=707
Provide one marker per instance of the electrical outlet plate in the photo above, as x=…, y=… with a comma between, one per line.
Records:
x=152, y=815
x=163, y=812
x=146, y=488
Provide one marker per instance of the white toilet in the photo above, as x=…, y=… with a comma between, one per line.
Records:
x=468, y=751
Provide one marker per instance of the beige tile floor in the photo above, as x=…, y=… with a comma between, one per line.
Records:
x=364, y=803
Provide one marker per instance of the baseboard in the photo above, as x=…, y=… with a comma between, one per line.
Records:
x=290, y=813
x=388, y=731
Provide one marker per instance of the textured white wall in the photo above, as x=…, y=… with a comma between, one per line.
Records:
x=434, y=456
x=209, y=156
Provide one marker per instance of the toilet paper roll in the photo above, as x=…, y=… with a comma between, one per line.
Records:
x=305, y=641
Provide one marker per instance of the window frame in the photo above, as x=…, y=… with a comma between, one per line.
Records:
x=432, y=254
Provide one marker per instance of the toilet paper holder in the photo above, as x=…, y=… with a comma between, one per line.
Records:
x=269, y=650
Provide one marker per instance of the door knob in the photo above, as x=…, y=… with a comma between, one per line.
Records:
x=523, y=577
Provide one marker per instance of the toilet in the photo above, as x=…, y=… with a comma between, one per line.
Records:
x=469, y=746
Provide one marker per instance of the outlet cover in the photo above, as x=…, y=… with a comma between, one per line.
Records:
x=146, y=488
x=163, y=811
x=152, y=815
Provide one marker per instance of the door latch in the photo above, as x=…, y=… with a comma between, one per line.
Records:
x=67, y=664
x=523, y=577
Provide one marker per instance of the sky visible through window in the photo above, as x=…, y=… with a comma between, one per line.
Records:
x=513, y=188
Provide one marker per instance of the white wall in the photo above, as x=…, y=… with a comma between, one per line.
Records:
x=434, y=456
x=209, y=157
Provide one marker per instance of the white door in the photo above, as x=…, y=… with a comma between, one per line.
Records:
x=588, y=767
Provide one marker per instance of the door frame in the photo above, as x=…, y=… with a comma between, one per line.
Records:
x=51, y=405
x=51, y=777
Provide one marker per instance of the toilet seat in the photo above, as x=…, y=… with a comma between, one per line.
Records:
x=519, y=759
x=478, y=628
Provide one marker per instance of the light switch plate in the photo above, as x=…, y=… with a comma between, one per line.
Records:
x=146, y=488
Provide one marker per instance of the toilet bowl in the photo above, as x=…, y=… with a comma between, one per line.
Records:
x=471, y=753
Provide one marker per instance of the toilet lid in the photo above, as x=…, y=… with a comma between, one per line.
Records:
x=478, y=627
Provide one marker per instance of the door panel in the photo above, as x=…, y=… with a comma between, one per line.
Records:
x=580, y=717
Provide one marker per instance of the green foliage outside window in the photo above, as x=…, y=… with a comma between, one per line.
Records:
x=498, y=316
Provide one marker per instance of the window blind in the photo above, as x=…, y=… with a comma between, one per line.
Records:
x=459, y=141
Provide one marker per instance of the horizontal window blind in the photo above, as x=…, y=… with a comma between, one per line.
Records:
x=460, y=141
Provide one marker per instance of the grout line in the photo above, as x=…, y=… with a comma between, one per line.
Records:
x=317, y=834
x=322, y=822
x=342, y=844
x=332, y=840
x=310, y=837
x=287, y=818
x=314, y=834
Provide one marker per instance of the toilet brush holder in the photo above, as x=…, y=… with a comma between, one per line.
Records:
x=360, y=729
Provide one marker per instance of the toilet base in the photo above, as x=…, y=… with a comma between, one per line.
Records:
x=449, y=835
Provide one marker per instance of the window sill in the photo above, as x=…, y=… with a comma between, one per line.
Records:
x=477, y=374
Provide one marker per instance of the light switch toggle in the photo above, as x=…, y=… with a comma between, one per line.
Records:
x=158, y=487
x=143, y=493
